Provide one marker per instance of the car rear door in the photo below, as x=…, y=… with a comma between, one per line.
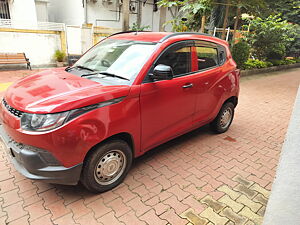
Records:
x=168, y=106
x=208, y=76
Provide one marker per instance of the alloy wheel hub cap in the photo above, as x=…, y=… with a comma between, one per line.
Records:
x=226, y=117
x=110, y=167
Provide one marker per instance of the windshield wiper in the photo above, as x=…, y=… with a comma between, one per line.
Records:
x=106, y=74
x=80, y=67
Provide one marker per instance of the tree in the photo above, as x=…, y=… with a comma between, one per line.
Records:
x=289, y=9
x=194, y=13
x=270, y=37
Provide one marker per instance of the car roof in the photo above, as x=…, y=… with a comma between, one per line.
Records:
x=163, y=36
x=141, y=36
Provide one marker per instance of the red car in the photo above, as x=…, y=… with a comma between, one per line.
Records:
x=129, y=93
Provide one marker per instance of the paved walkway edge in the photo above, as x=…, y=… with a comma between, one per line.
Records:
x=284, y=203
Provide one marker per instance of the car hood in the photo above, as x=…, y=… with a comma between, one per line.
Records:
x=56, y=90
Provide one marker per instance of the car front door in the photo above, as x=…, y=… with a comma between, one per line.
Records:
x=167, y=106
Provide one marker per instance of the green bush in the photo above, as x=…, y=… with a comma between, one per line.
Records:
x=270, y=38
x=59, y=56
x=240, y=53
x=277, y=62
x=256, y=64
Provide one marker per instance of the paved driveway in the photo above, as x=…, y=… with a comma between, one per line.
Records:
x=199, y=178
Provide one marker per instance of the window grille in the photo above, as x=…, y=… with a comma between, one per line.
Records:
x=4, y=10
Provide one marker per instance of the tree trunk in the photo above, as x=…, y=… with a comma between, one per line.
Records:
x=139, y=14
x=236, y=22
x=203, y=19
x=162, y=18
x=225, y=19
x=125, y=7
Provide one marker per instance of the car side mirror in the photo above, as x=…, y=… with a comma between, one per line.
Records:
x=162, y=72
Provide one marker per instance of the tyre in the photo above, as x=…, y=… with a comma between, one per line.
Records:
x=107, y=166
x=224, y=118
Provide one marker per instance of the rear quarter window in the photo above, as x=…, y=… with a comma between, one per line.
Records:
x=207, y=57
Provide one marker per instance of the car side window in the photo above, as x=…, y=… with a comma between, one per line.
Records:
x=207, y=57
x=178, y=58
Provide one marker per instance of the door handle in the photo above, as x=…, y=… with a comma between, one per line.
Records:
x=187, y=86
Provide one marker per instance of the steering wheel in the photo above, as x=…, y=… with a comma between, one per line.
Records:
x=105, y=63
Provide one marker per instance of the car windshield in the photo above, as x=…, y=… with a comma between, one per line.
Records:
x=123, y=58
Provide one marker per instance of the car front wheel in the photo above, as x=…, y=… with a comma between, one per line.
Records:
x=107, y=166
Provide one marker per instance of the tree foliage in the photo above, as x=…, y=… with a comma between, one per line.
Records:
x=289, y=9
x=240, y=53
x=270, y=37
x=189, y=13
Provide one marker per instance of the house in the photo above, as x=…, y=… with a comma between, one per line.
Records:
x=107, y=13
x=24, y=11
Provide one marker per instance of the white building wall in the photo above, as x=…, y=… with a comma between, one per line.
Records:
x=100, y=13
x=23, y=11
x=41, y=10
x=70, y=12
x=39, y=48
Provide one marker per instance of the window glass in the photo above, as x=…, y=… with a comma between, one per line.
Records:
x=222, y=57
x=178, y=58
x=121, y=57
x=207, y=57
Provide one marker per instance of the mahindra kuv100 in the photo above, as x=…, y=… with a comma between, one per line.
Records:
x=129, y=93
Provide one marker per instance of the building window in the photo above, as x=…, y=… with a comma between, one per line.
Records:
x=4, y=10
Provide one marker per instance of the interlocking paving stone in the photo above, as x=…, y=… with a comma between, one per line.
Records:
x=214, y=217
x=246, y=212
x=215, y=205
x=244, y=190
x=237, y=219
x=254, y=206
x=233, y=194
x=261, y=190
x=193, y=218
x=261, y=211
x=260, y=199
x=232, y=204
x=243, y=181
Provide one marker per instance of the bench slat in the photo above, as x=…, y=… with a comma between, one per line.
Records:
x=14, y=58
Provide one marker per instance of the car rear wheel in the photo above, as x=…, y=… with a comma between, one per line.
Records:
x=224, y=118
x=107, y=166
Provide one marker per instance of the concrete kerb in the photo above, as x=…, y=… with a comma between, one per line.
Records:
x=284, y=203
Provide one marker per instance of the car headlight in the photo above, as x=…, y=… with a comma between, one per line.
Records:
x=42, y=122
x=46, y=122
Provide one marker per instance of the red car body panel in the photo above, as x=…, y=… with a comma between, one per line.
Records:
x=146, y=112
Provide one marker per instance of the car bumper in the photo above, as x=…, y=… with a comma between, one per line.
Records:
x=38, y=164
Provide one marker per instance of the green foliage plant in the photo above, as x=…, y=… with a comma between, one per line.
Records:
x=240, y=53
x=189, y=10
x=136, y=27
x=270, y=38
x=255, y=64
x=59, y=56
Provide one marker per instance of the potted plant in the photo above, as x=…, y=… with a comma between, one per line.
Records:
x=59, y=57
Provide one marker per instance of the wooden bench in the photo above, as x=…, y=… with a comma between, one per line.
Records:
x=14, y=58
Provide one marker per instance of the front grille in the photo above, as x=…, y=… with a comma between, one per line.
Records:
x=12, y=110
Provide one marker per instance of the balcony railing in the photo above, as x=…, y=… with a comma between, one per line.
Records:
x=8, y=23
x=4, y=10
